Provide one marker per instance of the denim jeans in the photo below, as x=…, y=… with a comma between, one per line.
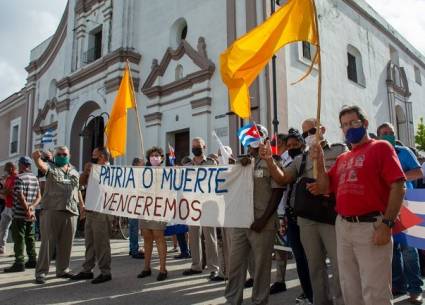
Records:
x=406, y=270
x=181, y=239
x=294, y=240
x=133, y=232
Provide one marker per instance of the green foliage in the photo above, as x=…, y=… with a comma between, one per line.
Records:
x=420, y=135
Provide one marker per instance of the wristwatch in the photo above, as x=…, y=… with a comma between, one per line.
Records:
x=390, y=223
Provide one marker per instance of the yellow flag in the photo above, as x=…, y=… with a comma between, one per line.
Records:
x=241, y=63
x=116, y=128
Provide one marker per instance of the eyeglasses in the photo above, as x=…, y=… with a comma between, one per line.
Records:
x=311, y=131
x=62, y=155
x=353, y=124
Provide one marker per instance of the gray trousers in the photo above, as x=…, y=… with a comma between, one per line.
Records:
x=5, y=222
x=319, y=242
x=97, y=232
x=57, y=231
x=260, y=245
x=210, y=248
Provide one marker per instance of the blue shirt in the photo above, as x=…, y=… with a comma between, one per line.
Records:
x=408, y=161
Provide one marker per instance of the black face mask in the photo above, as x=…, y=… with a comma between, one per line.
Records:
x=294, y=152
x=197, y=151
x=94, y=160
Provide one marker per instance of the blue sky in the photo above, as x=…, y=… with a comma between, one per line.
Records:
x=26, y=23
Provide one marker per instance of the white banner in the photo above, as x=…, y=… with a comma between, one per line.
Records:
x=216, y=196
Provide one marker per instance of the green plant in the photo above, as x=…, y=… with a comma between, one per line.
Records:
x=420, y=135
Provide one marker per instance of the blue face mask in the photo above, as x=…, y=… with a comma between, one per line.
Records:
x=355, y=135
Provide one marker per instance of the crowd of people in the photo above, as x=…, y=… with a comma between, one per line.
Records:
x=333, y=204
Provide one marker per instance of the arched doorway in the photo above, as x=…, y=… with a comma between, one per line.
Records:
x=86, y=132
x=401, y=125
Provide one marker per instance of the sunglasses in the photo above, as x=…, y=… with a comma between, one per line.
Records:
x=62, y=155
x=311, y=131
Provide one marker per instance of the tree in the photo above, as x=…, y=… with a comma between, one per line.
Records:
x=420, y=135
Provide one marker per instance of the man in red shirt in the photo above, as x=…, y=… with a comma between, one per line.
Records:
x=7, y=214
x=369, y=186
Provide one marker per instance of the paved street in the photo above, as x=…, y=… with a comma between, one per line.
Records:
x=125, y=288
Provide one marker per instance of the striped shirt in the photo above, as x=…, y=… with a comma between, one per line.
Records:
x=27, y=184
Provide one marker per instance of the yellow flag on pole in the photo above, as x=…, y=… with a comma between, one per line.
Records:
x=116, y=128
x=241, y=63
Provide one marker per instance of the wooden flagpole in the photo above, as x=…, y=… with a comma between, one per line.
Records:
x=135, y=109
x=319, y=86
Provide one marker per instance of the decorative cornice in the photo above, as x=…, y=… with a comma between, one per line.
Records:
x=199, y=57
x=63, y=105
x=114, y=83
x=49, y=105
x=153, y=117
x=403, y=88
x=49, y=54
x=202, y=102
x=99, y=66
x=42, y=129
x=83, y=6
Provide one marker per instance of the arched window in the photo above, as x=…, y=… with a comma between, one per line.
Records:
x=355, y=70
x=52, y=89
x=178, y=32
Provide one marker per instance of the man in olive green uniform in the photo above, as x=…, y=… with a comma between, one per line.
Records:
x=97, y=231
x=258, y=239
x=60, y=212
x=318, y=237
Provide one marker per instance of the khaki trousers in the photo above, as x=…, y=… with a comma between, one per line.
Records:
x=97, y=232
x=57, y=232
x=319, y=242
x=260, y=245
x=223, y=248
x=364, y=268
x=210, y=248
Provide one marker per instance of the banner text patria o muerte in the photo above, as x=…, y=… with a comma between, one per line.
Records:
x=216, y=196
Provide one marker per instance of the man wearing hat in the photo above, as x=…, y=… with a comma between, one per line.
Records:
x=26, y=197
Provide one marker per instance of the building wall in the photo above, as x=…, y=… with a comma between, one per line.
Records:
x=341, y=26
x=12, y=109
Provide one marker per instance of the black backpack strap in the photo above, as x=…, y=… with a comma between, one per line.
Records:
x=302, y=166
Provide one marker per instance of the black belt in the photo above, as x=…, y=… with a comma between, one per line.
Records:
x=370, y=217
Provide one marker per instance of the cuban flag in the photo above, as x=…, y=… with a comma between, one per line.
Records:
x=47, y=137
x=410, y=226
x=171, y=155
x=248, y=134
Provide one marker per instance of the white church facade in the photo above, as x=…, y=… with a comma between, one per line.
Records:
x=173, y=49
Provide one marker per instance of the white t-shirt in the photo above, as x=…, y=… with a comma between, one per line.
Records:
x=286, y=160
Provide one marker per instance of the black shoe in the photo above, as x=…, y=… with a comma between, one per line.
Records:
x=67, y=275
x=249, y=283
x=102, y=278
x=182, y=256
x=138, y=255
x=144, y=273
x=31, y=264
x=40, y=280
x=15, y=268
x=277, y=287
x=82, y=276
x=191, y=272
x=162, y=276
x=216, y=278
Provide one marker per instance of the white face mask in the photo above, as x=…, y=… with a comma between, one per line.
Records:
x=255, y=144
x=310, y=140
